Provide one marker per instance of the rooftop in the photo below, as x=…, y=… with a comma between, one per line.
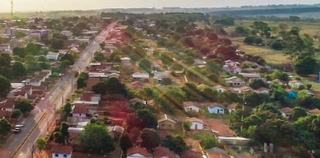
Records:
x=139, y=150
x=62, y=149
x=193, y=119
x=162, y=152
x=166, y=119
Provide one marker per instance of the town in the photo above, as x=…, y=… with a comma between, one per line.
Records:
x=173, y=85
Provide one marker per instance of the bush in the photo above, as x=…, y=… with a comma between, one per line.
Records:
x=300, y=152
x=186, y=125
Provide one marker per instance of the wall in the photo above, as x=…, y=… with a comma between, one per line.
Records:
x=216, y=110
x=196, y=124
x=79, y=115
x=60, y=156
x=166, y=125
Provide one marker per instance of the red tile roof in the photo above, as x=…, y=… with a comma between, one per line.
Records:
x=161, y=152
x=137, y=150
x=191, y=154
x=314, y=111
x=80, y=109
x=286, y=110
x=62, y=149
x=232, y=106
x=211, y=105
x=5, y=113
x=91, y=83
x=193, y=119
x=9, y=103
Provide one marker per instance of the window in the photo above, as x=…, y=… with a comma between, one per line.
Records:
x=56, y=155
x=65, y=155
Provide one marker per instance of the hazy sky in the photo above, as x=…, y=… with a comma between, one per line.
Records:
x=45, y=5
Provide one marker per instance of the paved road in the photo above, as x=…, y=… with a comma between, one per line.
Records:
x=44, y=113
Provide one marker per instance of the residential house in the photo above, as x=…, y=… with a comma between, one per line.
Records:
x=116, y=131
x=314, y=111
x=286, y=112
x=34, y=82
x=196, y=124
x=219, y=88
x=140, y=76
x=90, y=96
x=191, y=106
x=137, y=85
x=245, y=89
x=80, y=110
x=162, y=152
x=5, y=48
x=216, y=152
x=137, y=152
x=232, y=107
x=233, y=140
x=279, y=82
x=62, y=151
x=235, y=81
x=216, y=108
x=166, y=123
x=262, y=90
x=47, y=73
x=91, y=83
x=67, y=33
x=294, y=83
x=231, y=66
x=126, y=61
x=250, y=75
x=52, y=56
x=160, y=75
x=6, y=108
x=200, y=63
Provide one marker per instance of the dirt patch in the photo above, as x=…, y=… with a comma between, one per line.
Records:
x=219, y=125
x=194, y=144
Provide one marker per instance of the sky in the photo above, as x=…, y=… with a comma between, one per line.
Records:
x=47, y=5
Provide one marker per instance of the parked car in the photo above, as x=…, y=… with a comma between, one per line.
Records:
x=19, y=126
x=16, y=130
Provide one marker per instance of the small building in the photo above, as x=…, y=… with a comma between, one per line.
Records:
x=161, y=75
x=80, y=110
x=286, y=112
x=262, y=90
x=235, y=81
x=191, y=106
x=137, y=152
x=196, y=124
x=219, y=88
x=314, y=111
x=62, y=151
x=166, y=123
x=137, y=85
x=5, y=48
x=232, y=107
x=245, y=89
x=52, y=56
x=138, y=75
x=233, y=140
x=216, y=108
x=126, y=61
x=294, y=83
x=162, y=152
x=250, y=75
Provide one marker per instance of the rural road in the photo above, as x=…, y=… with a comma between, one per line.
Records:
x=37, y=123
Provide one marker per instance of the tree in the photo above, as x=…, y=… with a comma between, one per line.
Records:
x=114, y=86
x=69, y=57
x=186, y=125
x=23, y=105
x=97, y=139
x=18, y=70
x=283, y=27
x=19, y=51
x=19, y=34
x=258, y=83
x=57, y=43
x=98, y=56
x=16, y=113
x=5, y=84
x=134, y=121
x=305, y=66
x=166, y=81
x=41, y=144
x=102, y=44
x=258, y=40
x=145, y=64
x=298, y=112
x=64, y=129
x=249, y=40
x=58, y=137
x=99, y=88
x=150, y=139
x=5, y=127
x=148, y=117
x=300, y=151
x=240, y=30
x=67, y=108
x=277, y=44
x=125, y=142
x=64, y=64
x=174, y=143
x=277, y=74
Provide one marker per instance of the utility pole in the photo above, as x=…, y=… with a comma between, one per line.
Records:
x=244, y=102
x=11, y=9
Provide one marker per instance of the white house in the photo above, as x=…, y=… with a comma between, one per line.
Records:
x=232, y=107
x=235, y=81
x=33, y=82
x=126, y=61
x=216, y=108
x=160, y=75
x=286, y=112
x=196, y=124
x=5, y=48
x=219, y=88
x=62, y=151
x=294, y=83
x=52, y=56
x=137, y=152
x=138, y=75
x=191, y=106
x=250, y=75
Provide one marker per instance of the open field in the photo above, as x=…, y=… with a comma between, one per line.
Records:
x=270, y=55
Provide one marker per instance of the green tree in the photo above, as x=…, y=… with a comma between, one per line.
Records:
x=186, y=125
x=258, y=40
x=298, y=112
x=23, y=105
x=305, y=66
x=58, y=137
x=57, y=43
x=5, y=84
x=277, y=44
x=148, y=117
x=115, y=87
x=98, y=56
x=64, y=64
x=150, y=139
x=258, y=83
x=64, y=129
x=125, y=142
x=67, y=108
x=145, y=64
x=19, y=51
x=102, y=44
x=166, y=81
x=249, y=40
x=16, y=113
x=19, y=34
x=277, y=74
x=41, y=144
x=18, y=70
x=97, y=139
x=300, y=151
x=5, y=127
x=240, y=30
x=174, y=143
x=99, y=88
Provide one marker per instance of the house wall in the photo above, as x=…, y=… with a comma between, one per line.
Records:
x=52, y=57
x=191, y=108
x=221, y=90
x=35, y=83
x=166, y=125
x=7, y=109
x=231, y=110
x=136, y=156
x=236, y=84
x=216, y=110
x=79, y=115
x=196, y=126
x=55, y=155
